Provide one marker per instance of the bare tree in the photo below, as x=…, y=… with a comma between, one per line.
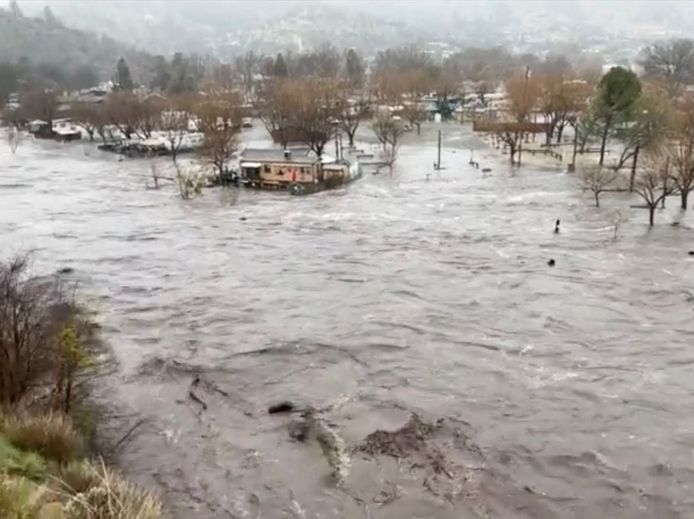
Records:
x=672, y=63
x=681, y=150
x=314, y=112
x=389, y=133
x=522, y=94
x=350, y=111
x=90, y=117
x=597, y=179
x=247, y=67
x=414, y=113
x=617, y=219
x=649, y=128
x=277, y=102
x=40, y=104
x=219, y=120
x=122, y=110
x=652, y=181
x=175, y=121
x=150, y=110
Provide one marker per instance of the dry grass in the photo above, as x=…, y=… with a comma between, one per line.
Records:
x=53, y=436
x=17, y=498
x=112, y=498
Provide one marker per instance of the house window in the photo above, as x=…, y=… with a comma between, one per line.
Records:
x=267, y=168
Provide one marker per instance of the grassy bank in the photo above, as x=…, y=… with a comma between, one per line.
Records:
x=48, y=353
x=45, y=474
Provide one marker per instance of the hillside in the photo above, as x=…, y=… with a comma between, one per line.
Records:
x=46, y=42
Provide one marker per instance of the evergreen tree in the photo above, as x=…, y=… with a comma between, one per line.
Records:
x=618, y=93
x=49, y=17
x=123, y=79
x=355, y=68
x=279, y=69
x=15, y=10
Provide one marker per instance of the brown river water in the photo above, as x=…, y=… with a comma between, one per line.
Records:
x=561, y=392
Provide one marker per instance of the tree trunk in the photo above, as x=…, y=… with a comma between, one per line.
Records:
x=603, y=143
x=560, y=133
x=597, y=198
x=575, y=150
x=512, y=151
x=651, y=214
x=174, y=153
x=684, y=194
x=632, y=176
x=350, y=136
x=419, y=129
x=520, y=150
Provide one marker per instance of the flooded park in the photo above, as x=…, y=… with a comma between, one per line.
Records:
x=416, y=313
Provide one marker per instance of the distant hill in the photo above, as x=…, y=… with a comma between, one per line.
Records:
x=46, y=42
x=228, y=28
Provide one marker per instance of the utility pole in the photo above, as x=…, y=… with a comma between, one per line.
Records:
x=337, y=146
x=438, y=158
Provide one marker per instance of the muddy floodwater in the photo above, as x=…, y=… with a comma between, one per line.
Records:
x=539, y=392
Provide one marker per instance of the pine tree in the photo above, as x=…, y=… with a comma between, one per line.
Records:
x=355, y=68
x=123, y=79
x=279, y=69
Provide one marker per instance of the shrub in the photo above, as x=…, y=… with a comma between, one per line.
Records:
x=52, y=436
x=14, y=461
x=112, y=498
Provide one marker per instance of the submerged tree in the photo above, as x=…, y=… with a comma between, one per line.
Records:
x=389, y=132
x=651, y=182
x=350, y=111
x=598, y=179
x=219, y=119
x=523, y=93
x=175, y=120
x=681, y=151
x=649, y=128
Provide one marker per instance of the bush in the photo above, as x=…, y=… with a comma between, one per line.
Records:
x=14, y=461
x=52, y=436
x=44, y=340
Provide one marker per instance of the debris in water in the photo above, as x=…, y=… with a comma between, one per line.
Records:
x=551, y=262
x=410, y=438
x=333, y=447
x=193, y=396
x=281, y=407
x=556, y=227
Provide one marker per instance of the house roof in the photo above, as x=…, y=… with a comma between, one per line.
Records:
x=296, y=155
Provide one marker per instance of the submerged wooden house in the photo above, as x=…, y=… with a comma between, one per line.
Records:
x=297, y=170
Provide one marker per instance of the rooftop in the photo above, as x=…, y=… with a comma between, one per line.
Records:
x=293, y=155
